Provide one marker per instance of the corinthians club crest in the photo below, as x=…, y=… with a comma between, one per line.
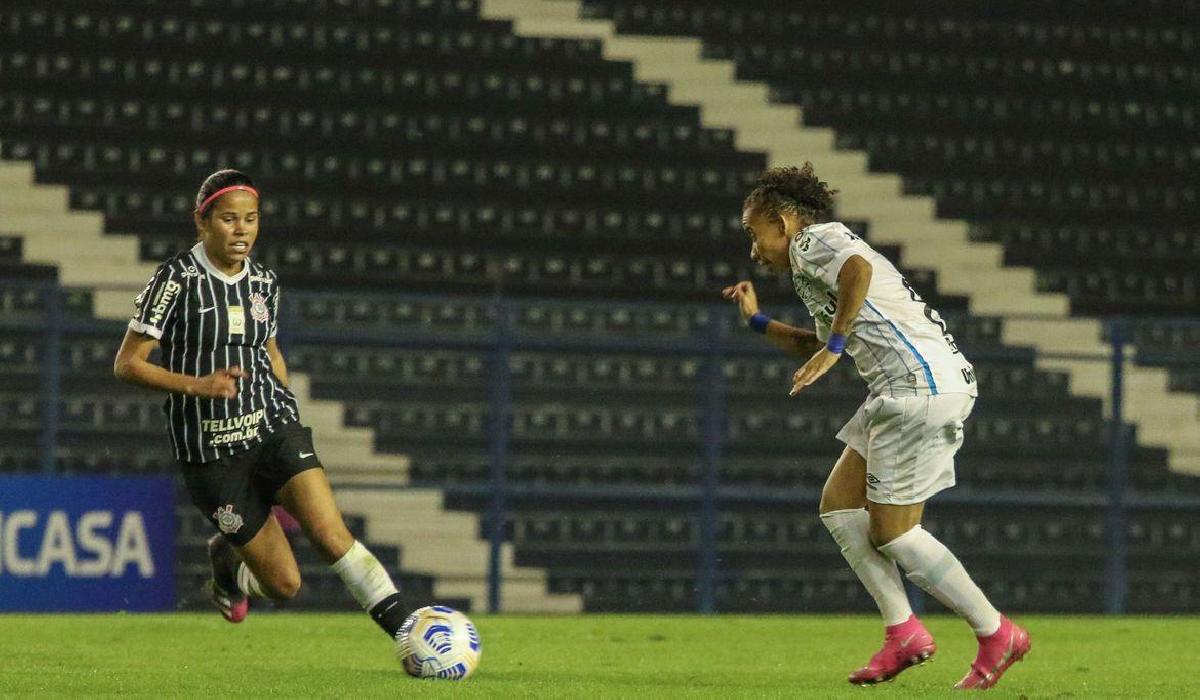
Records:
x=227, y=521
x=258, y=307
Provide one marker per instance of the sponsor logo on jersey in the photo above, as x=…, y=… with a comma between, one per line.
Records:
x=163, y=301
x=227, y=521
x=261, y=278
x=258, y=307
x=224, y=431
x=191, y=271
x=804, y=289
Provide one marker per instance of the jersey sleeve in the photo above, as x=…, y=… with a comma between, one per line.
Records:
x=156, y=306
x=274, y=301
x=820, y=251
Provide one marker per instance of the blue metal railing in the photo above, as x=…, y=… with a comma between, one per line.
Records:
x=500, y=333
x=500, y=398
x=714, y=420
x=1116, y=567
x=51, y=378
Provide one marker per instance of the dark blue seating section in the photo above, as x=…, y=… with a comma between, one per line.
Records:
x=1064, y=131
x=418, y=161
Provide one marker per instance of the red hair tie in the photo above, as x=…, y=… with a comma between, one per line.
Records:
x=223, y=190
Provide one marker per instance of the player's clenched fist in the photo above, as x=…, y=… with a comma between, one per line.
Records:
x=743, y=294
x=221, y=384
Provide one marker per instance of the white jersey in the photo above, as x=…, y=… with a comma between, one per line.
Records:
x=899, y=343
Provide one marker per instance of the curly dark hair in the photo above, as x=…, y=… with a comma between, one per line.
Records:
x=791, y=190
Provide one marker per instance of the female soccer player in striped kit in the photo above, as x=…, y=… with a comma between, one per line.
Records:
x=900, y=444
x=233, y=423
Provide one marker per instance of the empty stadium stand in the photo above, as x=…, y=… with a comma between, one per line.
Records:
x=441, y=194
x=1070, y=142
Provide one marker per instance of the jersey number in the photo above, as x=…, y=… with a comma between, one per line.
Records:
x=933, y=316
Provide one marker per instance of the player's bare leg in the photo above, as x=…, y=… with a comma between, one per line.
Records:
x=846, y=486
x=264, y=567
x=933, y=567
x=270, y=569
x=889, y=522
x=906, y=641
x=309, y=498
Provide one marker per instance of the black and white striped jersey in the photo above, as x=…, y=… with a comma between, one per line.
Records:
x=206, y=320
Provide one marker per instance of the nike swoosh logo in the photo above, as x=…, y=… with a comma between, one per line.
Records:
x=306, y=454
x=907, y=639
x=207, y=309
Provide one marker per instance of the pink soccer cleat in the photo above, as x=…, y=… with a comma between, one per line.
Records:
x=222, y=587
x=997, y=652
x=232, y=608
x=906, y=644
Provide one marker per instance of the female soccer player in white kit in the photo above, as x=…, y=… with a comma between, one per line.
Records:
x=900, y=444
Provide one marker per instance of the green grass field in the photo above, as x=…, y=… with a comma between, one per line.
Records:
x=648, y=656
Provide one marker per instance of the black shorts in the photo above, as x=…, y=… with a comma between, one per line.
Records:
x=236, y=493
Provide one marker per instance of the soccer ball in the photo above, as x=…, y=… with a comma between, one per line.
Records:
x=438, y=642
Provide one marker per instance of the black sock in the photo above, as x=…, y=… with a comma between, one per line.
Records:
x=390, y=614
x=225, y=562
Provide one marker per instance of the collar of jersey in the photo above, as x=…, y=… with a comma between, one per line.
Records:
x=202, y=258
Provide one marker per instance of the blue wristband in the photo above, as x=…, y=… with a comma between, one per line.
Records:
x=759, y=322
x=836, y=344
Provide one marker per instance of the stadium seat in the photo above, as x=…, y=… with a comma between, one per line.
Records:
x=418, y=160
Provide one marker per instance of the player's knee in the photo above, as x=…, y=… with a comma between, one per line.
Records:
x=876, y=535
x=284, y=587
x=882, y=533
x=833, y=499
x=827, y=505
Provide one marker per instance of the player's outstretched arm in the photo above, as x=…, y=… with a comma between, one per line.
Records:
x=797, y=342
x=132, y=365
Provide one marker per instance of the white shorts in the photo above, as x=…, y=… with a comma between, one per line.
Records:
x=909, y=444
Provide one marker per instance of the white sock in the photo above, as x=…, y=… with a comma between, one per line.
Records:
x=938, y=572
x=366, y=578
x=850, y=529
x=247, y=582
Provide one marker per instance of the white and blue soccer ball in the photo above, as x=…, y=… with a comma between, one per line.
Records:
x=438, y=642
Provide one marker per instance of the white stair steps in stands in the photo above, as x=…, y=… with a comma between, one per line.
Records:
x=963, y=266
x=67, y=238
x=447, y=544
x=87, y=257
